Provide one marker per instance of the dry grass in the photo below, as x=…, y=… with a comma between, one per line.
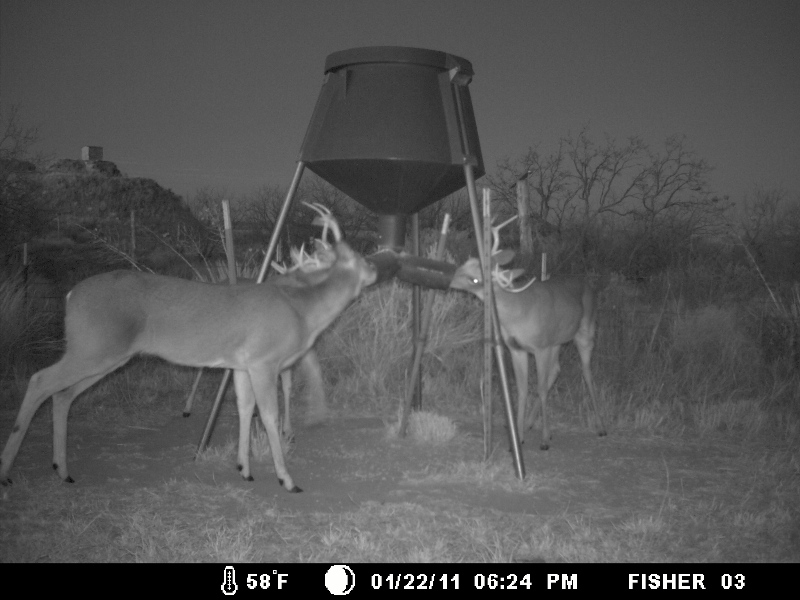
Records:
x=673, y=374
x=183, y=521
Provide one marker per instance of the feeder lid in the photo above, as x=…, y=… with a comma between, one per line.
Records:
x=398, y=54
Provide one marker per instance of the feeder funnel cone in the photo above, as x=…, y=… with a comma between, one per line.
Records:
x=393, y=128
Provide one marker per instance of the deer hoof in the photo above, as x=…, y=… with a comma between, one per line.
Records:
x=293, y=490
x=67, y=479
x=544, y=446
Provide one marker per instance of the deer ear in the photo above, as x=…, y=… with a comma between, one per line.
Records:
x=503, y=257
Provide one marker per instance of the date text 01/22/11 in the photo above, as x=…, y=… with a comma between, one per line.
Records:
x=416, y=581
x=420, y=581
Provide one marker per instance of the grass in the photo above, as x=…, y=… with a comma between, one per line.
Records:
x=667, y=377
x=26, y=336
x=186, y=521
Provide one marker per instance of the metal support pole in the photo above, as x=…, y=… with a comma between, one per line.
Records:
x=419, y=347
x=473, y=200
x=187, y=409
x=416, y=309
x=273, y=243
x=230, y=253
x=488, y=338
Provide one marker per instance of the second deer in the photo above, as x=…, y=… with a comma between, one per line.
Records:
x=538, y=320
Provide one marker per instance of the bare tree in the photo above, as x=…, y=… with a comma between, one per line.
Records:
x=17, y=139
x=605, y=176
x=674, y=183
x=457, y=204
x=207, y=207
x=260, y=210
x=771, y=231
x=549, y=178
x=585, y=184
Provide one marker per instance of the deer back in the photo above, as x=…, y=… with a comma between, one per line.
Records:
x=545, y=314
x=548, y=313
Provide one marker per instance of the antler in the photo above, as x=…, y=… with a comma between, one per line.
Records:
x=496, y=235
x=323, y=256
x=301, y=261
x=326, y=220
x=505, y=277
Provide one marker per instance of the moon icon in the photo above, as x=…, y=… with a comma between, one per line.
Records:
x=340, y=580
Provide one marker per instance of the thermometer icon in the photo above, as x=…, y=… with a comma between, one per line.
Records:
x=229, y=586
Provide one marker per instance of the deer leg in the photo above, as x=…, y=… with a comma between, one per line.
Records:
x=519, y=360
x=315, y=391
x=68, y=377
x=61, y=404
x=286, y=422
x=317, y=410
x=547, y=368
x=245, y=403
x=263, y=380
x=585, y=343
x=41, y=386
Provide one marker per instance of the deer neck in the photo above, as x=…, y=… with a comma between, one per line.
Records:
x=320, y=304
x=508, y=303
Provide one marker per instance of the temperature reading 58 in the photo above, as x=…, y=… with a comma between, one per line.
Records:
x=264, y=581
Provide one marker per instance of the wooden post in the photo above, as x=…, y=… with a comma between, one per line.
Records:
x=416, y=309
x=488, y=338
x=262, y=273
x=523, y=210
x=519, y=465
x=25, y=276
x=229, y=252
x=133, y=235
x=419, y=346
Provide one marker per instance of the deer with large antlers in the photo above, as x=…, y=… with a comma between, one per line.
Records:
x=538, y=319
x=256, y=330
x=305, y=270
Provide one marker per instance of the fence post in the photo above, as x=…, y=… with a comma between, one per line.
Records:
x=133, y=235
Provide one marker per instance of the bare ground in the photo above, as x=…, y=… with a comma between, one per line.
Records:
x=686, y=499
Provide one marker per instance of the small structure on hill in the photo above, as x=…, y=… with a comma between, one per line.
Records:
x=91, y=153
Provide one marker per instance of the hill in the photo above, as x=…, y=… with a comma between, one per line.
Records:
x=83, y=217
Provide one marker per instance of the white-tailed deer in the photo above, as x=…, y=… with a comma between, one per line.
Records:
x=307, y=270
x=317, y=410
x=538, y=320
x=256, y=330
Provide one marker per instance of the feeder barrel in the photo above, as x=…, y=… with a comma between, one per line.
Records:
x=393, y=128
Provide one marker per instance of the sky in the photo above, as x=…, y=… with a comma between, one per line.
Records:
x=218, y=94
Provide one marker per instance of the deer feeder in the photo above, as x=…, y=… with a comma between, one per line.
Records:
x=393, y=128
